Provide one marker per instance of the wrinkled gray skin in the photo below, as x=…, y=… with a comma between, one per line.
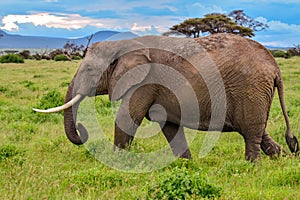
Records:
x=250, y=76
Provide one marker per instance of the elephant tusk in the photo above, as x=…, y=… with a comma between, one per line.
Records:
x=60, y=108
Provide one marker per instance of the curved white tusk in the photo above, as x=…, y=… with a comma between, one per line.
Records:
x=60, y=108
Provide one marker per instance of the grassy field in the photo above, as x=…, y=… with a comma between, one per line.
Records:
x=38, y=162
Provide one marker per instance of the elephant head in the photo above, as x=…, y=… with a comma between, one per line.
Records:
x=104, y=65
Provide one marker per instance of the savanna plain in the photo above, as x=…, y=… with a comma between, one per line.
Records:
x=38, y=162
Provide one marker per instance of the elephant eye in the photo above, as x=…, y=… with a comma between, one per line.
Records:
x=89, y=69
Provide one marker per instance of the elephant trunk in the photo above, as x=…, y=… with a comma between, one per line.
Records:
x=70, y=115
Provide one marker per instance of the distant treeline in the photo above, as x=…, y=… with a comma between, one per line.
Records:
x=73, y=52
x=295, y=51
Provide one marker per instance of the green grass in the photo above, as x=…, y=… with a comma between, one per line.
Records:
x=38, y=162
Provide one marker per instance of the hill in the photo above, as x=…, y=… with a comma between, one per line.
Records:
x=10, y=41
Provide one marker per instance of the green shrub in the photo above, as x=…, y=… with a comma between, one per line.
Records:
x=29, y=85
x=11, y=58
x=76, y=57
x=8, y=151
x=65, y=84
x=52, y=99
x=183, y=184
x=281, y=54
x=3, y=89
x=25, y=54
x=61, y=57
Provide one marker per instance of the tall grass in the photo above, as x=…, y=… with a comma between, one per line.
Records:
x=38, y=162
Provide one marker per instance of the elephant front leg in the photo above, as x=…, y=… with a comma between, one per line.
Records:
x=176, y=138
x=130, y=115
x=122, y=139
x=125, y=127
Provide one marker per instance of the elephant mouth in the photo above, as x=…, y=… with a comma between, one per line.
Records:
x=67, y=105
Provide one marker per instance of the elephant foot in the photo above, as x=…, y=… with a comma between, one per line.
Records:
x=253, y=156
x=186, y=155
x=270, y=147
x=176, y=138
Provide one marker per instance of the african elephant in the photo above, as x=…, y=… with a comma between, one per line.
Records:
x=182, y=82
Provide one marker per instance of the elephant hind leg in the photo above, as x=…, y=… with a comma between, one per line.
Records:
x=270, y=147
x=176, y=138
x=253, y=138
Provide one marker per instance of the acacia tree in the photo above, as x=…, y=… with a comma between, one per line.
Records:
x=73, y=48
x=220, y=23
x=191, y=28
x=241, y=19
x=217, y=23
x=294, y=51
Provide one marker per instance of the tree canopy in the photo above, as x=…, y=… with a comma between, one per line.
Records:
x=241, y=19
x=237, y=22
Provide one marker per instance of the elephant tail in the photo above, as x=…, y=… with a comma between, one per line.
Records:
x=291, y=140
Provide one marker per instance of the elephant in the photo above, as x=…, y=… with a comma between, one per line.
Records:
x=219, y=82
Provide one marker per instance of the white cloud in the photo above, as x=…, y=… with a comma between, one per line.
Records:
x=273, y=1
x=198, y=9
x=279, y=34
x=283, y=27
x=279, y=26
x=50, y=20
x=123, y=5
x=138, y=28
x=144, y=30
x=262, y=19
x=136, y=23
x=152, y=25
x=51, y=1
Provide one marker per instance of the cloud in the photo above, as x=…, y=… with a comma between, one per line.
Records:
x=144, y=30
x=49, y=20
x=138, y=24
x=122, y=6
x=284, y=27
x=278, y=34
x=278, y=26
x=198, y=9
x=152, y=25
x=51, y=1
x=273, y=1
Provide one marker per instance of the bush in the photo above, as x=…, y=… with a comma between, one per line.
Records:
x=46, y=57
x=76, y=57
x=25, y=54
x=281, y=54
x=37, y=57
x=54, y=53
x=52, y=99
x=11, y=58
x=183, y=184
x=8, y=151
x=294, y=51
x=61, y=57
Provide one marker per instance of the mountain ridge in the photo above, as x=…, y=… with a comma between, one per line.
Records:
x=11, y=41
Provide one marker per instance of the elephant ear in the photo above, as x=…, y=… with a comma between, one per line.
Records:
x=130, y=70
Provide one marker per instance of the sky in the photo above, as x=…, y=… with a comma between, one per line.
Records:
x=77, y=18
